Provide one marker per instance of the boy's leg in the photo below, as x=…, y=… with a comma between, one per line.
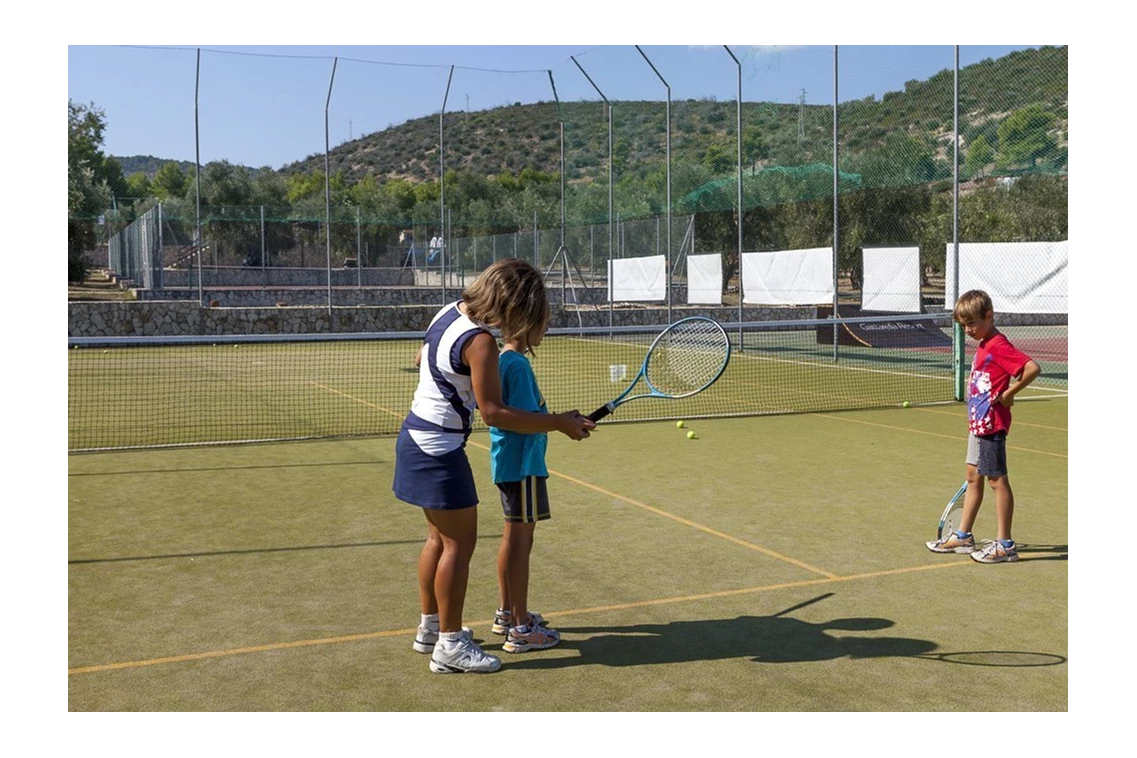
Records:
x=503, y=570
x=1004, y=505
x=993, y=465
x=519, y=540
x=524, y=503
x=973, y=498
x=509, y=493
x=960, y=539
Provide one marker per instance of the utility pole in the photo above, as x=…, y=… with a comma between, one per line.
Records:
x=349, y=132
x=801, y=117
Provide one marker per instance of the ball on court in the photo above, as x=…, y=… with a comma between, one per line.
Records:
x=680, y=424
x=691, y=435
x=906, y=404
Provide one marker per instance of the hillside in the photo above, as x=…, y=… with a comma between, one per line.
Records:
x=509, y=139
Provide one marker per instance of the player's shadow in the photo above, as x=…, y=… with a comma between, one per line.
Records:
x=1045, y=552
x=762, y=639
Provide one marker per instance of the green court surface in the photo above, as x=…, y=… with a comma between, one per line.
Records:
x=773, y=563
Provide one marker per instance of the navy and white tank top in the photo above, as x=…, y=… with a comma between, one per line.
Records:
x=443, y=406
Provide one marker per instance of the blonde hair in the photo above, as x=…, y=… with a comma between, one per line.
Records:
x=510, y=295
x=973, y=305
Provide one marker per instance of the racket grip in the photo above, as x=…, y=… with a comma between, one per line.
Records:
x=600, y=413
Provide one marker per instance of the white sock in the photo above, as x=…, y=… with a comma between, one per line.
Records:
x=449, y=639
x=429, y=621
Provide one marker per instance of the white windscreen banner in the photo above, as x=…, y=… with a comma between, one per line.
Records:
x=1020, y=277
x=891, y=279
x=638, y=279
x=704, y=279
x=788, y=277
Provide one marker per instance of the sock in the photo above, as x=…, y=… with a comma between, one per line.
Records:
x=962, y=535
x=429, y=621
x=1007, y=543
x=449, y=639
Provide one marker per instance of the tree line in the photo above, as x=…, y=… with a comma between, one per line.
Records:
x=898, y=192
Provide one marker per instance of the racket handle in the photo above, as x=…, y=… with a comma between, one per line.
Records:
x=600, y=413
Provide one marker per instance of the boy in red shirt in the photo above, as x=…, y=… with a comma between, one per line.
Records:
x=990, y=397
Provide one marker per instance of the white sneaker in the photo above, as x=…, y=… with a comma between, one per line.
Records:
x=503, y=621
x=426, y=638
x=464, y=658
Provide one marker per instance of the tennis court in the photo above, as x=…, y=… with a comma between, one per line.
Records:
x=774, y=563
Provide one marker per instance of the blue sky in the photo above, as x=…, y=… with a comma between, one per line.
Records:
x=264, y=105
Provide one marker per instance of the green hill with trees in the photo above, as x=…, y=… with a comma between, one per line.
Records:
x=504, y=169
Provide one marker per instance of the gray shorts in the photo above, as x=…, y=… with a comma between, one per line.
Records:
x=988, y=454
x=525, y=502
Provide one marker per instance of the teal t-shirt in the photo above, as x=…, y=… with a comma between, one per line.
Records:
x=514, y=456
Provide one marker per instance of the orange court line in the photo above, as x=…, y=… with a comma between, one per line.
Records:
x=579, y=611
x=931, y=434
x=1017, y=423
x=356, y=399
x=686, y=522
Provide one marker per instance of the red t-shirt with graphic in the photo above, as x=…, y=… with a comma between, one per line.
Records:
x=996, y=362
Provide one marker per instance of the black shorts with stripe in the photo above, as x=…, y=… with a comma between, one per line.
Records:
x=525, y=502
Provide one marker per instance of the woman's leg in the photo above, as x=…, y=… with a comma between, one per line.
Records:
x=458, y=533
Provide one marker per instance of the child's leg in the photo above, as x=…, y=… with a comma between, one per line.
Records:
x=523, y=503
x=1004, y=505
x=972, y=499
x=503, y=570
x=993, y=464
x=518, y=545
x=458, y=531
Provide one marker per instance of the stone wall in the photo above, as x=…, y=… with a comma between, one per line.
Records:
x=391, y=309
x=178, y=318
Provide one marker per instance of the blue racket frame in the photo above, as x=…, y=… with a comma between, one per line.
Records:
x=948, y=519
x=626, y=396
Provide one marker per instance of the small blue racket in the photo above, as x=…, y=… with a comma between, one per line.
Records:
x=952, y=512
x=687, y=357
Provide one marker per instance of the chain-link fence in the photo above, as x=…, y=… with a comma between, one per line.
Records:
x=589, y=171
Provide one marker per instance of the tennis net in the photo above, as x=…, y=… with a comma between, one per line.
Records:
x=138, y=392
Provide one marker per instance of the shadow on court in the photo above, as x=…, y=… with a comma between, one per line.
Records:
x=762, y=639
x=1048, y=552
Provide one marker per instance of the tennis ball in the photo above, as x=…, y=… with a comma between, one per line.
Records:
x=680, y=424
x=691, y=435
x=907, y=404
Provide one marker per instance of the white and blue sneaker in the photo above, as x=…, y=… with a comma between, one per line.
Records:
x=503, y=621
x=426, y=637
x=994, y=551
x=465, y=657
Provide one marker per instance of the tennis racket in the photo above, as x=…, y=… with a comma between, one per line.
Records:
x=952, y=512
x=686, y=358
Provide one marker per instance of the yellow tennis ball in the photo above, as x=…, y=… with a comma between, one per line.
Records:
x=680, y=424
x=691, y=434
x=907, y=404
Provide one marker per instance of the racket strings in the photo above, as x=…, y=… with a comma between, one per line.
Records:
x=687, y=358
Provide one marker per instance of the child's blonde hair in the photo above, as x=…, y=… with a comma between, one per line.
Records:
x=510, y=295
x=973, y=305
